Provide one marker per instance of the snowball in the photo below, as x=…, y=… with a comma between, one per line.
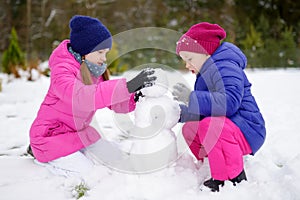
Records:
x=149, y=109
x=165, y=138
x=152, y=153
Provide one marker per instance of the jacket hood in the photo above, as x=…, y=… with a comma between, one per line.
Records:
x=61, y=54
x=228, y=51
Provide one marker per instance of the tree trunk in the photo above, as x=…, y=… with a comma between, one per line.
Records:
x=28, y=34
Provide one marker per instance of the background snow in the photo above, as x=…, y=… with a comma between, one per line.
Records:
x=273, y=173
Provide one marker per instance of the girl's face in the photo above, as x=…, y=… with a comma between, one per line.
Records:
x=97, y=57
x=194, y=61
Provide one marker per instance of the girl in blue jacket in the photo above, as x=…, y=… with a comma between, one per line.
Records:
x=222, y=119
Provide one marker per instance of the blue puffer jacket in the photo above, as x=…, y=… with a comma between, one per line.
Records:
x=222, y=89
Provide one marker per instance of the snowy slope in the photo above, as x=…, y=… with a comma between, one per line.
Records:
x=273, y=173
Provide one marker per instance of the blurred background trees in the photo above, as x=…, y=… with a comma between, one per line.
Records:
x=268, y=31
x=13, y=57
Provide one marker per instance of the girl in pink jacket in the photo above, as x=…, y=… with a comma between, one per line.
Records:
x=79, y=86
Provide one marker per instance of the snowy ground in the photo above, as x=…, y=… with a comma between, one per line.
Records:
x=273, y=173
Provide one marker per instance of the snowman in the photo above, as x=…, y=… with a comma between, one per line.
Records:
x=149, y=141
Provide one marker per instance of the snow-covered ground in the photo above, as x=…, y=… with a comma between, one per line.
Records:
x=273, y=173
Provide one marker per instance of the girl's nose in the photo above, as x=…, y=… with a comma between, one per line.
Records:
x=187, y=65
x=103, y=58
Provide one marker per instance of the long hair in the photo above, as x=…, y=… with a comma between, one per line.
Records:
x=106, y=75
x=86, y=74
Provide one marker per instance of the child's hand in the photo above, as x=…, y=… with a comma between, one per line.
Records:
x=181, y=93
x=143, y=79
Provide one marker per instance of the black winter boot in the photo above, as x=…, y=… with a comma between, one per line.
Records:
x=239, y=178
x=29, y=151
x=213, y=184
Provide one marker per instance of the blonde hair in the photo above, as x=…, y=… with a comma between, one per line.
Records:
x=86, y=74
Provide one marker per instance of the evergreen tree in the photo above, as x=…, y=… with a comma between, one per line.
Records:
x=115, y=67
x=252, y=45
x=13, y=58
x=289, y=47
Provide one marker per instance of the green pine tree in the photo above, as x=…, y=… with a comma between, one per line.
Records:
x=13, y=58
x=115, y=66
x=289, y=48
x=252, y=45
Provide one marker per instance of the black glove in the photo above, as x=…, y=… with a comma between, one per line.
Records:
x=143, y=79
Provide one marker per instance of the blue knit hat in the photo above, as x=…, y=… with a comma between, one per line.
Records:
x=88, y=34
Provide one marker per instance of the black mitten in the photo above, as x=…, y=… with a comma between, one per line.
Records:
x=143, y=79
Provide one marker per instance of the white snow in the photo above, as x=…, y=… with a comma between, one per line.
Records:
x=273, y=173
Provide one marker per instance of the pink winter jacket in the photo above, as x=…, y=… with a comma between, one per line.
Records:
x=62, y=123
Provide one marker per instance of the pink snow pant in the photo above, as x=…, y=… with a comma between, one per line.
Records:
x=221, y=141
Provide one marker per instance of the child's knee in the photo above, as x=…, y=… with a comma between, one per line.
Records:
x=212, y=130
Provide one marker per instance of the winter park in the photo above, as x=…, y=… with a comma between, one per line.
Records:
x=115, y=100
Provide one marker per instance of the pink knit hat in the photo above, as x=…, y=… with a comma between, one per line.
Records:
x=201, y=38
